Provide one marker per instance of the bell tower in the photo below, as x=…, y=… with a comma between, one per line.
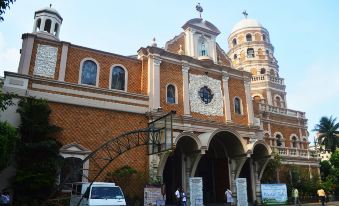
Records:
x=47, y=23
x=250, y=49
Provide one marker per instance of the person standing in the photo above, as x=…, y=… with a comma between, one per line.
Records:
x=5, y=199
x=183, y=197
x=229, y=198
x=322, y=196
x=177, y=196
x=295, y=195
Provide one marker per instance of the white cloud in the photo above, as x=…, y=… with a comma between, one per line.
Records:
x=9, y=57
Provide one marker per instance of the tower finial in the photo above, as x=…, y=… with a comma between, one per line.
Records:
x=245, y=13
x=199, y=9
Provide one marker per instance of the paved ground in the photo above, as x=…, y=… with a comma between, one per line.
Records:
x=334, y=203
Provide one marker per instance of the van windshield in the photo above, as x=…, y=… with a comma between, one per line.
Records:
x=106, y=193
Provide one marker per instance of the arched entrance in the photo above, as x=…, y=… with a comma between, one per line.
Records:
x=215, y=166
x=177, y=167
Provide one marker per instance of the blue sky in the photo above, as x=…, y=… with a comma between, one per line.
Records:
x=304, y=33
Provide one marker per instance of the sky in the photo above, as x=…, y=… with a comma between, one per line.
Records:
x=304, y=34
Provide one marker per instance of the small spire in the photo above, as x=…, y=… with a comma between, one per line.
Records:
x=154, y=43
x=245, y=13
x=199, y=9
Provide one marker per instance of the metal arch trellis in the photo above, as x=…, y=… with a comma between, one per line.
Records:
x=113, y=148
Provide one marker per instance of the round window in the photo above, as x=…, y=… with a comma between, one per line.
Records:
x=205, y=94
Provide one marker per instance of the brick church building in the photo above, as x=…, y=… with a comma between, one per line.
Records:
x=231, y=107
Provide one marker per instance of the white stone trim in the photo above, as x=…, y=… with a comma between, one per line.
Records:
x=226, y=98
x=282, y=102
x=88, y=94
x=126, y=76
x=26, y=54
x=63, y=62
x=176, y=93
x=257, y=94
x=98, y=71
x=88, y=102
x=185, y=91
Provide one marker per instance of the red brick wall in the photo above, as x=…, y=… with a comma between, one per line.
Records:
x=237, y=88
x=92, y=127
x=76, y=55
x=171, y=73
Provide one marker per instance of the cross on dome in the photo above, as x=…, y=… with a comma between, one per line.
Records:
x=199, y=9
x=245, y=13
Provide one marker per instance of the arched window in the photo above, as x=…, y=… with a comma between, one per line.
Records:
x=277, y=101
x=171, y=94
x=38, y=24
x=250, y=53
x=56, y=29
x=248, y=37
x=264, y=37
x=89, y=73
x=235, y=56
x=262, y=71
x=279, y=140
x=203, y=51
x=267, y=52
x=48, y=24
x=237, y=105
x=205, y=94
x=294, y=142
x=118, y=78
x=234, y=42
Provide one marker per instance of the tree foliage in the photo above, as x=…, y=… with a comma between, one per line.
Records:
x=271, y=169
x=37, y=156
x=331, y=178
x=328, y=133
x=4, y=4
x=6, y=100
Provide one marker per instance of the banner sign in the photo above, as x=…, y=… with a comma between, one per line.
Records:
x=241, y=184
x=196, y=194
x=152, y=195
x=274, y=194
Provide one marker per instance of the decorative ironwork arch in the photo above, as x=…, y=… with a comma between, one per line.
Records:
x=155, y=135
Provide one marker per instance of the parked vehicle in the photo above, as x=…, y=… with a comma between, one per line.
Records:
x=97, y=194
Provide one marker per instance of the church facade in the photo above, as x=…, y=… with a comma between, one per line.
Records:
x=231, y=108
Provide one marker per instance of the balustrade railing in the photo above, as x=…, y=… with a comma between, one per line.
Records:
x=279, y=110
x=294, y=152
x=267, y=77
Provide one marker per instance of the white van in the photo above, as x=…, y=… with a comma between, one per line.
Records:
x=98, y=194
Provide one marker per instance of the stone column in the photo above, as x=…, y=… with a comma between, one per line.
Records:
x=26, y=53
x=250, y=114
x=227, y=105
x=185, y=89
x=63, y=61
x=156, y=81
x=51, y=31
x=269, y=97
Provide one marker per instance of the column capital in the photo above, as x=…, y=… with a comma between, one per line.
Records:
x=157, y=62
x=225, y=76
x=185, y=69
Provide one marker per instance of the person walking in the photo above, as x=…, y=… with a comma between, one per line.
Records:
x=295, y=195
x=322, y=196
x=229, y=198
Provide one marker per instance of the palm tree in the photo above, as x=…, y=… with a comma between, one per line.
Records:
x=328, y=133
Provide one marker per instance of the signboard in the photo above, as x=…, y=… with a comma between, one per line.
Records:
x=196, y=194
x=241, y=184
x=152, y=195
x=274, y=194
